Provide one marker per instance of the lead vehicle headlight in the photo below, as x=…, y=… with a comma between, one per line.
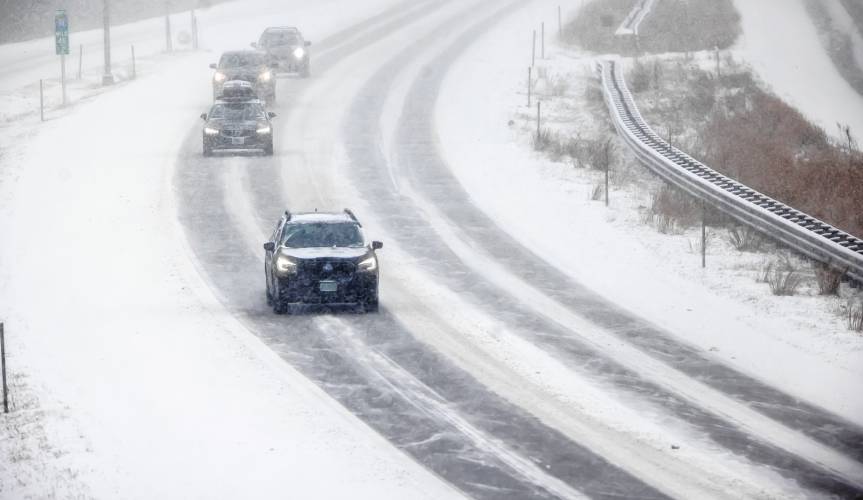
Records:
x=285, y=265
x=299, y=52
x=265, y=129
x=265, y=76
x=369, y=264
x=211, y=131
x=219, y=76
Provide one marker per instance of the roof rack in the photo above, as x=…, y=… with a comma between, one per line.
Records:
x=352, y=216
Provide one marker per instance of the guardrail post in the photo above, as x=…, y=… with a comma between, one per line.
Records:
x=529, y=71
x=41, y=100
x=533, y=53
x=3, y=363
x=80, y=60
x=194, y=30
x=703, y=234
x=538, y=123
x=543, y=40
x=607, y=168
x=169, y=45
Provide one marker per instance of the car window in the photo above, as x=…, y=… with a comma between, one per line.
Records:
x=238, y=111
x=276, y=39
x=235, y=60
x=317, y=235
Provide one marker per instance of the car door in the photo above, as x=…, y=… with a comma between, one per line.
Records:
x=269, y=256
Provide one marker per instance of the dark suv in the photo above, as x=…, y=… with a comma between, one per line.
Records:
x=247, y=65
x=286, y=49
x=237, y=124
x=321, y=258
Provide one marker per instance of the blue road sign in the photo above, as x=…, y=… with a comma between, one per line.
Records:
x=61, y=32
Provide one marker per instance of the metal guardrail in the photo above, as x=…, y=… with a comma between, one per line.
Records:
x=803, y=233
x=633, y=19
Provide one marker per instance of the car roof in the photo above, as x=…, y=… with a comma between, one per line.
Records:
x=328, y=217
x=238, y=100
x=246, y=52
x=282, y=28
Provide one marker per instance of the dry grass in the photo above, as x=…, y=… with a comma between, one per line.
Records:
x=828, y=279
x=745, y=239
x=855, y=316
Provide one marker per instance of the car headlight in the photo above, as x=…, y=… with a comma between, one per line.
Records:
x=265, y=76
x=285, y=265
x=299, y=52
x=219, y=77
x=211, y=131
x=264, y=129
x=369, y=264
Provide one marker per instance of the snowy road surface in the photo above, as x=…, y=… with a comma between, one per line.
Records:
x=494, y=369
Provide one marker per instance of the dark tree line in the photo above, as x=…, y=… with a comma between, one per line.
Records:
x=22, y=20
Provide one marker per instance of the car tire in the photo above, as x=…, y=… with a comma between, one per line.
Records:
x=305, y=72
x=268, y=149
x=208, y=151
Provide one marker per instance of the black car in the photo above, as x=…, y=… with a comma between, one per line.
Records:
x=239, y=125
x=286, y=49
x=247, y=65
x=321, y=258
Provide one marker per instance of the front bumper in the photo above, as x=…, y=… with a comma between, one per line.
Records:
x=246, y=140
x=359, y=288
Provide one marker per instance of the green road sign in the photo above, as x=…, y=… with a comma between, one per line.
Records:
x=61, y=32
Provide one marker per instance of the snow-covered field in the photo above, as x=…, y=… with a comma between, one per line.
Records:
x=781, y=42
x=719, y=309
x=139, y=372
x=129, y=379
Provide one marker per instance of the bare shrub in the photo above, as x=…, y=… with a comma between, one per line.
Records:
x=828, y=279
x=764, y=273
x=558, y=86
x=543, y=139
x=639, y=77
x=676, y=205
x=855, y=316
x=593, y=93
x=598, y=192
x=745, y=239
x=783, y=278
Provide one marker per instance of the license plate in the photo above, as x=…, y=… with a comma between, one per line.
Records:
x=329, y=286
x=238, y=141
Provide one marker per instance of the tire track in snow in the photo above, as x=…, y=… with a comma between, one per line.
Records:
x=228, y=261
x=371, y=168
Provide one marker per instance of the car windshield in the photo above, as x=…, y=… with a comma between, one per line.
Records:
x=317, y=235
x=276, y=39
x=235, y=60
x=244, y=111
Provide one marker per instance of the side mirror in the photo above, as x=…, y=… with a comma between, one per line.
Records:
x=269, y=246
x=308, y=43
x=271, y=114
x=254, y=45
x=213, y=66
x=204, y=116
x=377, y=245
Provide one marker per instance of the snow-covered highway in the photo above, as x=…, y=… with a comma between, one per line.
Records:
x=134, y=270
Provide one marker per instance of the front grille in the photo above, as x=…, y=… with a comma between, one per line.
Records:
x=237, y=132
x=327, y=269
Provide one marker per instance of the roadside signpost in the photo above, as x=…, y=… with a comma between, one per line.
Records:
x=61, y=44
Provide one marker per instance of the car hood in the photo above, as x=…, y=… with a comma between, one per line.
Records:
x=234, y=124
x=326, y=252
x=242, y=72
